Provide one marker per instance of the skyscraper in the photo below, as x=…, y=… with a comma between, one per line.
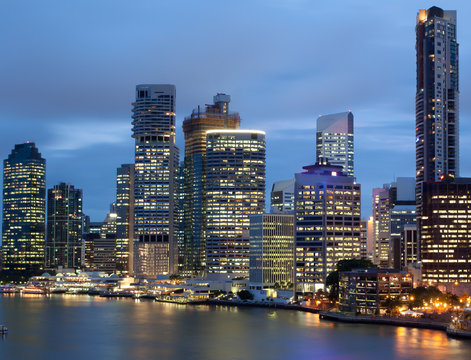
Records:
x=216, y=116
x=393, y=208
x=24, y=209
x=446, y=231
x=125, y=218
x=282, y=197
x=235, y=188
x=64, y=227
x=327, y=224
x=334, y=140
x=155, y=181
x=437, y=120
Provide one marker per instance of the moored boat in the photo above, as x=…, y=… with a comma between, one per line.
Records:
x=6, y=289
x=33, y=289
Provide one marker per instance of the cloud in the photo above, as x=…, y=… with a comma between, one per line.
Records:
x=82, y=134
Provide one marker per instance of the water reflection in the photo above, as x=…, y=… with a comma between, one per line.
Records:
x=82, y=327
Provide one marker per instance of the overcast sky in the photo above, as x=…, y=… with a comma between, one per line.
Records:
x=68, y=71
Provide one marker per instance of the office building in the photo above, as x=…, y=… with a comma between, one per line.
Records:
x=327, y=224
x=437, y=115
x=100, y=247
x=64, y=227
x=155, y=178
x=394, y=207
x=366, y=291
x=271, y=250
x=212, y=117
x=125, y=219
x=235, y=189
x=446, y=231
x=282, y=197
x=334, y=140
x=409, y=246
x=24, y=209
x=364, y=239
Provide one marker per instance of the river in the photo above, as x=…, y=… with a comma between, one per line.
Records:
x=83, y=327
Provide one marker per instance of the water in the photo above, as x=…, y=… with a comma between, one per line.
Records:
x=82, y=327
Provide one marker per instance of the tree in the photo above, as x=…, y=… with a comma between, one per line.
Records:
x=245, y=295
x=391, y=305
x=332, y=280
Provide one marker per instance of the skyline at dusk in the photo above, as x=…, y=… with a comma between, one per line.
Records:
x=268, y=179
x=69, y=77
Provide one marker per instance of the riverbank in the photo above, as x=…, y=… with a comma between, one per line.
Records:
x=364, y=319
x=271, y=305
x=413, y=323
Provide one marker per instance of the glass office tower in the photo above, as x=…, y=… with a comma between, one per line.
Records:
x=64, y=227
x=24, y=209
x=216, y=116
x=235, y=187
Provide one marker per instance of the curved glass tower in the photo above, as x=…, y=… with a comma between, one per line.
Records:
x=24, y=209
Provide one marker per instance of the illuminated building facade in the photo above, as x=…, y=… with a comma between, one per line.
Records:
x=366, y=291
x=381, y=221
x=409, y=246
x=24, y=209
x=235, y=189
x=334, y=140
x=364, y=239
x=437, y=117
x=271, y=249
x=446, y=231
x=327, y=224
x=282, y=197
x=216, y=116
x=155, y=180
x=394, y=207
x=64, y=227
x=125, y=219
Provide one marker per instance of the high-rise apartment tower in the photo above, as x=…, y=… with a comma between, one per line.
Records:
x=155, y=180
x=437, y=120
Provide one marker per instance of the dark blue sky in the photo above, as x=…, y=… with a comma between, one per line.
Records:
x=68, y=72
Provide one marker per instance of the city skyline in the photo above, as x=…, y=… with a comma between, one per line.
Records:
x=61, y=122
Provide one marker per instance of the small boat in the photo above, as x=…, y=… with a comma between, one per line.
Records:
x=3, y=330
x=32, y=289
x=8, y=289
x=58, y=290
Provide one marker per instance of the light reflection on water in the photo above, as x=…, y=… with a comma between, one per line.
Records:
x=82, y=327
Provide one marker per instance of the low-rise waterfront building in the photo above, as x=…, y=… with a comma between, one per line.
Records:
x=367, y=291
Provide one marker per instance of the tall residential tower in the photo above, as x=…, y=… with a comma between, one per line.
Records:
x=437, y=120
x=155, y=181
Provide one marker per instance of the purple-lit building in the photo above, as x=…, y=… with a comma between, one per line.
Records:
x=327, y=224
